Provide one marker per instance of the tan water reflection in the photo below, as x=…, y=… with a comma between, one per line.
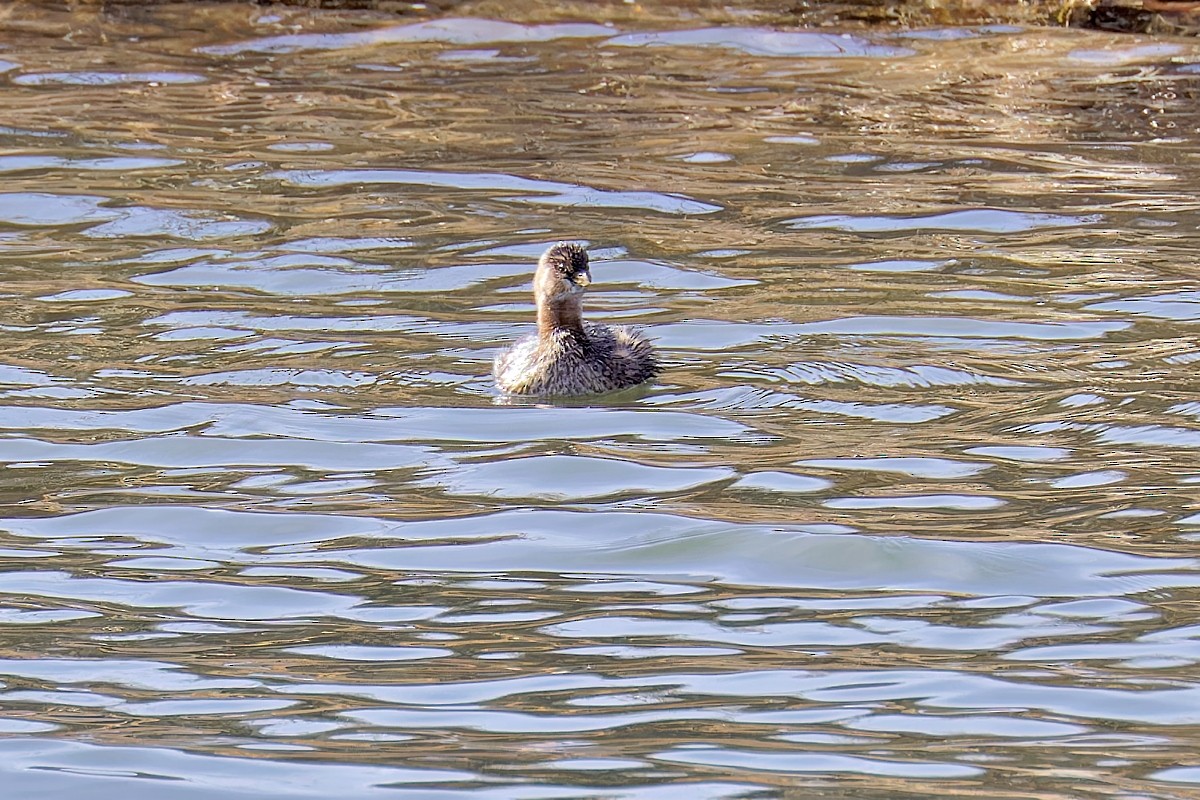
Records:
x=912, y=511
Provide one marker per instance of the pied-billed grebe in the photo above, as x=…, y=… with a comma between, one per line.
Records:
x=567, y=355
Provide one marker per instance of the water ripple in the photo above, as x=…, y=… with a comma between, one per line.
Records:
x=573, y=478
x=982, y=220
x=462, y=31
x=920, y=375
x=409, y=424
x=765, y=42
x=540, y=192
x=37, y=765
x=100, y=79
x=184, y=451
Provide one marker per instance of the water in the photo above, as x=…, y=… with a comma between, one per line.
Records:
x=912, y=512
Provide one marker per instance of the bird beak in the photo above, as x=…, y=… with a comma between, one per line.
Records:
x=583, y=279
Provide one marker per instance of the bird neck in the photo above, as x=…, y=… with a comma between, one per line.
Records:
x=560, y=314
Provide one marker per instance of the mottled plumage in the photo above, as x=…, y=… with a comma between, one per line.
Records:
x=604, y=359
x=568, y=356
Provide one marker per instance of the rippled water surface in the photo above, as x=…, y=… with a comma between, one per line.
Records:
x=912, y=511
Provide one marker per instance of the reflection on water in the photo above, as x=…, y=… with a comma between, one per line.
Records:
x=912, y=511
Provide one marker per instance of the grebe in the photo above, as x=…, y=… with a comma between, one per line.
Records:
x=567, y=355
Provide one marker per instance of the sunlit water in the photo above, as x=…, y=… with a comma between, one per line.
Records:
x=912, y=511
